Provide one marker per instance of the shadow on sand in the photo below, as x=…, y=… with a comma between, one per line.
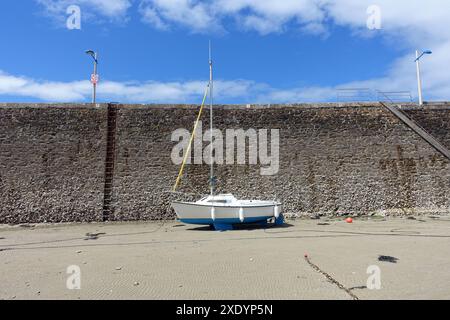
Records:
x=244, y=227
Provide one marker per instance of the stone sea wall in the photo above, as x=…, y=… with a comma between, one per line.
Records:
x=334, y=160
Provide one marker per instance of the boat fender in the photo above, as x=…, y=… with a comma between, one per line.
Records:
x=213, y=213
x=241, y=214
x=276, y=212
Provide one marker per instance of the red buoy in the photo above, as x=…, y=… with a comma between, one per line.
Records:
x=349, y=220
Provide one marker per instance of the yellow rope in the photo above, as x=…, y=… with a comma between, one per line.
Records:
x=190, y=141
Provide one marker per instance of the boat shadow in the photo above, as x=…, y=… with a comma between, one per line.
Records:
x=244, y=227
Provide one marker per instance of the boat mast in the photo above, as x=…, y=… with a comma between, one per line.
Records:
x=211, y=178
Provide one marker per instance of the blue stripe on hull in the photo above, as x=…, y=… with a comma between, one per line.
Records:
x=225, y=220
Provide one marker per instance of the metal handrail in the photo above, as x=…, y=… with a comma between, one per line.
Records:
x=430, y=139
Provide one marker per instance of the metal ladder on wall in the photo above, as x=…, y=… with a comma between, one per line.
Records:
x=109, y=162
x=417, y=129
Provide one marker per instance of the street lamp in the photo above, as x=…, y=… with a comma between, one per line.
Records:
x=94, y=76
x=419, y=81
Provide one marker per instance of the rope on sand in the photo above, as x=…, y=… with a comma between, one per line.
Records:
x=331, y=279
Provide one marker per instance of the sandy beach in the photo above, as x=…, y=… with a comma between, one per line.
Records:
x=155, y=260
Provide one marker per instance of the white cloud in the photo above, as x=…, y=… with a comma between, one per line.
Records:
x=239, y=91
x=130, y=92
x=110, y=9
x=271, y=16
x=179, y=92
x=44, y=90
x=264, y=16
x=152, y=91
x=303, y=94
x=406, y=25
x=413, y=17
x=151, y=16
x=196, y=15
x=409, y=25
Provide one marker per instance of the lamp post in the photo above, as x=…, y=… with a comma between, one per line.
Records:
x=419, y=80
x=94, y=77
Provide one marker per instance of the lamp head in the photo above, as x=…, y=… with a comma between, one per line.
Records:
x=422, y=54
x=92, y=54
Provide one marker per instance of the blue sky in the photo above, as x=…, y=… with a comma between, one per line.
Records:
x=154, y=51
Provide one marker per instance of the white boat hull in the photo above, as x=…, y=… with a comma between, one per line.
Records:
x=222, y=213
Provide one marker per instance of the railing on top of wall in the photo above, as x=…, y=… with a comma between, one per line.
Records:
x=394, y=96
x=354, y=95
x=369, y=95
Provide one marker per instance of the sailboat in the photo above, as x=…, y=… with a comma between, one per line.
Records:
x=222, y=211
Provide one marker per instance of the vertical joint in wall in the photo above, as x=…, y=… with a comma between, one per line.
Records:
x=109, y=161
